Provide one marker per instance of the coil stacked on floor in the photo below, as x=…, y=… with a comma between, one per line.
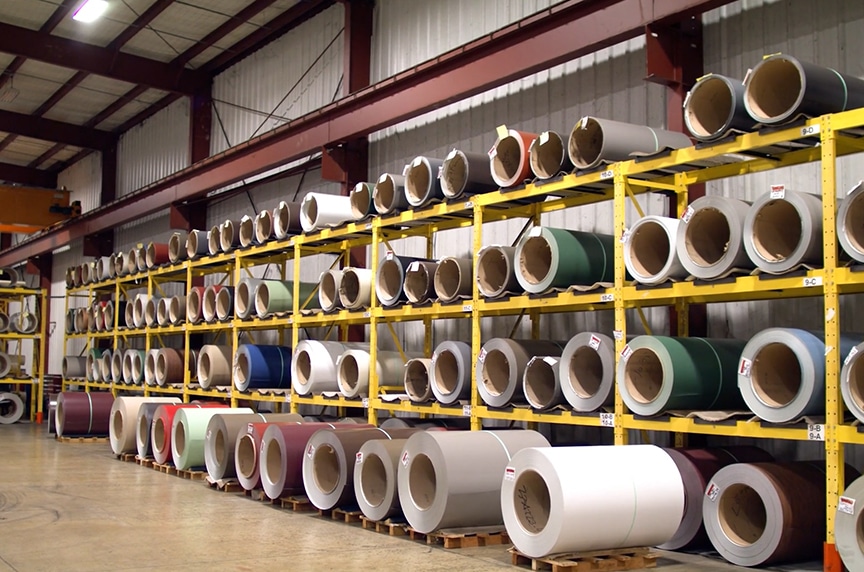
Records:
x=80, y=413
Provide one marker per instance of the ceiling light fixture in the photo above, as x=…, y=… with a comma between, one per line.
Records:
x=90, y=11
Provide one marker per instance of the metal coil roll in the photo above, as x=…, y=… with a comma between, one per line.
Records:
x=714, y=107
x=313, y=365
x=437, y=487
x=177, y=247
x=422, y=182
x=221, y=439
x=259, y=366
x=453, y=279
x=229, y=235
x=587, y=371
x=328, y=290
x=124, y=420
x=246, y=232
x=319, y=210
x=450, y=372
x=501, y=365
x=710, y=241
x=277, y=297
x=416, y=379
x=375, y=473
x=496, y=271
x=189, y=434
x=12, y=408
x=286, y=220
x=263, y=227
x=214, y=366
x=355, y=288
x=170, y=366
x=161, y=427
x=353, y=370
x=557, y=258
x=361, y=200
x=594, y=141
x=244, y=297
x=80, y=413
x=509, y=160
x=390, y=278
x=419, y=283
x=651, y=251
x=74, y=367
x=548, y=155
x=247, y=453
x=388, y=196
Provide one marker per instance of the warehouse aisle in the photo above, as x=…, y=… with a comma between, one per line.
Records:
x=75, y=507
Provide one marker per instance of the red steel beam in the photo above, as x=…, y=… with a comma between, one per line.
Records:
x=106, y=62
x=200, y=122
x=548, y=38
x=51, y=130
x=27, y=176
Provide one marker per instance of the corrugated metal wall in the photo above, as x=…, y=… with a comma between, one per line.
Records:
x=62, y=260
x=155, y=149
x=84, y=179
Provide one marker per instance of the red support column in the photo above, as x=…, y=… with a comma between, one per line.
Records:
x=200, y=124
x=674, y=59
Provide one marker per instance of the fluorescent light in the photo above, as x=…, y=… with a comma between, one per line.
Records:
x=90, y=11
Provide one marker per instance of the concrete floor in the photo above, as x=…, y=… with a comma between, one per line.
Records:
x=75, y=507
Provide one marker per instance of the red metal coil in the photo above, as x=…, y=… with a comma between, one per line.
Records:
x=247, y=449
x=80, y=413
x=157, y=254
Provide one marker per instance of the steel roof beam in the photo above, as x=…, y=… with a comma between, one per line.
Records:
x=106, y=62
x=27, y=176
x=51, y=130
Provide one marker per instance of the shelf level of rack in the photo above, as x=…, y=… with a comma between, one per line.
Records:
x=17, y=336
x=407, y=406
x=531, y=416
x=600, y=299
x=18, y=381
x=738, y=428
x=337, y=401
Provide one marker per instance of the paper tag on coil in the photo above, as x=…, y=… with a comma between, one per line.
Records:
x=405, y=458
x=414, y=266
x=625, y=235
x=544, y=137
x=626, y=352
x=846, y=504
x=852, y=352
x=359, y=457
x=550, y=360
x=389, y=255
x=417, y=162
x=744, y=367
x=249, y=428
x=310, y=450
x=492, y=151
x=382, y=178
x=618, y=334
x=712, y=492
x=535, y=231
x=583, y=123
x=687, y=215
x=509, y=474
x=440, y=171
x=482, y=356
x=405, y=169
x=594, y=342
x=778, y=191
x=502, y=131
x=451, y=154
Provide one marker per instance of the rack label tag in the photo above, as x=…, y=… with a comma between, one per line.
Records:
x=607, y=297
x=744, y=367
x=810, y=130
x=467, y=307
x=466, y=410
x=405, y=458
x=687, y=214
x=509, y=474
x=288, y=397
x=365, y=403
x=359, y=457
x=811, y=281
x=815, y=432
x=594, y=342
x=846, y=504
x=778, y=191
x=607, y=420
x=712, y=492
x=607, y=174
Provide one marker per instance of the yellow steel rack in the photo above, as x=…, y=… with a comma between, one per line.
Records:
x=35, y=301
x=821, y=139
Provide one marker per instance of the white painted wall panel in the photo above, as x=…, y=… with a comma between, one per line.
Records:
x=84, y=179
x=154, y=149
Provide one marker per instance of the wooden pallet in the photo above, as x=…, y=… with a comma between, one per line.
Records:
x=385, y=526
x=166, y=468
x=84, y=439
x=144, y=462
x=463, y=537
x=297, y=504
x=126, y=457
x=225, y=485
x=605, y=560
x=256, y=495
x=346, y=516
x=170, y=469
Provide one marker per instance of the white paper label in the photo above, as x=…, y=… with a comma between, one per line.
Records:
x=467, y=307
x=482, y=356
x=466, y=410
x=846, y=504
x=359, y=457
x=626, y=352
x=469, y=204
x=811, y=281
x=535, y=231
x=712, y=492
x=414, y=266
x=815, y=432
x=405, y=458
x=382, y=178
x=778, y=191
x=744, y=367
x=544, y=137
x=365, y=403
x=451, y=154
x=440, y=171
x=687, y=215
x=607, y=420
x=405, y=170
x=492, y=152
x=509, y=474
x=287, y=398
x=310, y=450
x=583, y=123
x=550, y=360
x=367, y=314
x=417, y=162
x=594, y=342
x=810, y=130
x=852, y=352
x=625, y=235
x=607, y=297
x=389, y=255
x=249, y=428
x=618, y=334
x=607, y=174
